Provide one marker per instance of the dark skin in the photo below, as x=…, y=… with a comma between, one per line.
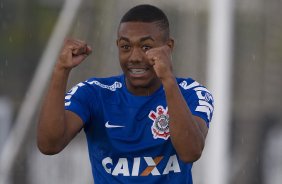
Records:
x=145, y=58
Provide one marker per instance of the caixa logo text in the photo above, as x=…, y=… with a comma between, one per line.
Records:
x=122, y=166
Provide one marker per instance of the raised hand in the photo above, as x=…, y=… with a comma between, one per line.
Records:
x=161, y=60
x=73, y=53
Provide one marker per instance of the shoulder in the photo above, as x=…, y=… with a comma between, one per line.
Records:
x=188, y=84
x=94, y=89
x=108, y=83
x=194, y=91
x=198, y=97
x=95, y=85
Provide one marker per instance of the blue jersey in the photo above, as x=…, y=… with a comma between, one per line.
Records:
x=128, y=136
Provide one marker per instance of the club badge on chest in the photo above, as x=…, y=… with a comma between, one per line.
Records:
x=160, y=126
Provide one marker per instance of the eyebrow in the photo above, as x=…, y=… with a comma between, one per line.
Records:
x=141, y=39
x=146, y=38
x=123, y=38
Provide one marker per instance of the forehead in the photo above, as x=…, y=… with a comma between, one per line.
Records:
x=136, y=30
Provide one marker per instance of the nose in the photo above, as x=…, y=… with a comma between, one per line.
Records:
x=136, y=55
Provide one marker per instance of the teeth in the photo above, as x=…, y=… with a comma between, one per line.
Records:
x=137, y=71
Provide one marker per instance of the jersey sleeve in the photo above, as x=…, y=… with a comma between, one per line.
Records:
x=78, y=100
x=200, y=101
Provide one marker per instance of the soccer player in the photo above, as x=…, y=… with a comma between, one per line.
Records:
x=143, y=126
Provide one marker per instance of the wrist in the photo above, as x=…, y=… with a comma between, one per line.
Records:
x=61, y=72
x=60, y=69
x=169, y=81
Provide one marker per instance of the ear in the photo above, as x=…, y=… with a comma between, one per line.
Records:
x=170, y=43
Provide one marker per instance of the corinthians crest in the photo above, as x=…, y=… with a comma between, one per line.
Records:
x=160, y=126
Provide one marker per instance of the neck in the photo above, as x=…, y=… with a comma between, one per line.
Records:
x=143, y=90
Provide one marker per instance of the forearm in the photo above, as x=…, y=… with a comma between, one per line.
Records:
x=185, y=133
x=56, y=126
x=52, y=126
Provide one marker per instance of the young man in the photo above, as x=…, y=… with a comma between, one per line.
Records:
x=144, y=126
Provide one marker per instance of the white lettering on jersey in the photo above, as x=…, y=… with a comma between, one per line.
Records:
x=71, y=92
x=112, y=87
x=106, y=161
x=205, y=97
x=121, y=168
x=205, y=110
x=150, y=162
x=185, y=86
x=172, y=165
x=204, y=103
x=136, y=166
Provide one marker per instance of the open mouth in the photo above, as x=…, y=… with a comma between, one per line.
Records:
x=137, y=71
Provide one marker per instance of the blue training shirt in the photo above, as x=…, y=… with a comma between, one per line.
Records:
x=128, y=136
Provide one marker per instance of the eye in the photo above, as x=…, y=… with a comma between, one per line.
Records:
x=125, y=47
x=146, y=47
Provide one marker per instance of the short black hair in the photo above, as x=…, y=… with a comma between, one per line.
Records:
x=147, y=13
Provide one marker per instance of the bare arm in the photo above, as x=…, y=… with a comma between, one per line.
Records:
x=187, y=132
x=56, y=127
